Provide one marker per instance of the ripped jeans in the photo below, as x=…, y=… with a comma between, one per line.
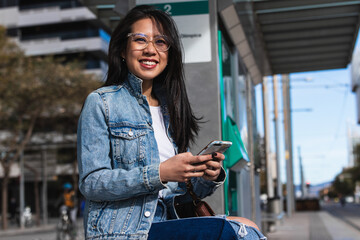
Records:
x=202, y=228
x=244, y=231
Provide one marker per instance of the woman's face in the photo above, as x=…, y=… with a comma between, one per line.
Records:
x=149, y=62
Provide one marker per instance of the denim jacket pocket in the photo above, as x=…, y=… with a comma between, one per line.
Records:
x=128, y=143
x=96, y=209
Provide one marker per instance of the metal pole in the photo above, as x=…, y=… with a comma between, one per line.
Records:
x=269, y=175
x=22, y=193
x=277, y=151
x=303, y=193
x=288, y=143
x=291, y=151
x=251, y=146
x=44, y=186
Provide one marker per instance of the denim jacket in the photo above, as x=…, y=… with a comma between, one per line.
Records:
x=119, y=163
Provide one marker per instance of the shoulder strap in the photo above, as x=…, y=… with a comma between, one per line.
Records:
x=189, y=187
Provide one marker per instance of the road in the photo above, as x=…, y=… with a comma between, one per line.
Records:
x=350, y=213
x=333, y=222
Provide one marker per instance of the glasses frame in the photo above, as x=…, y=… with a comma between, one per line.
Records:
x=152, y=40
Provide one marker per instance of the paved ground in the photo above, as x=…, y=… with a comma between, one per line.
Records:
x=332, y=223
x=320, y=225
x=44, y=232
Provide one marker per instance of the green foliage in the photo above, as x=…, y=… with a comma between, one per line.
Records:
x=345, y=182
x=34, y=88
x=356, y=152
x=38, y=87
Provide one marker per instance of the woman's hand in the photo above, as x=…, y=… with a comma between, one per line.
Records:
x=213, y=167
x=184, y=166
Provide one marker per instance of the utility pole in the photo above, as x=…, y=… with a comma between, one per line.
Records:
x=303, y=193
x=290, y=200
x=251, y=146
x=277, y=151
x=269, y=165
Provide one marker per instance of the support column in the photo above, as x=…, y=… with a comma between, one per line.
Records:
x=269, y=165
x=290, y=200
x=278, y=192
x=251, y=146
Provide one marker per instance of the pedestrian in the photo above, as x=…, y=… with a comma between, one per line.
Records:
x=134, y=134
x=69, y=200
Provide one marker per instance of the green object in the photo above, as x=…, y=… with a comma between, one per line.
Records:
x=237, y=152
x=236, y=155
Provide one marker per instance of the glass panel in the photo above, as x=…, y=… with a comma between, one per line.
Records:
x=228, y=81
x=241, y=102
x=33, y=4
x=63, y=31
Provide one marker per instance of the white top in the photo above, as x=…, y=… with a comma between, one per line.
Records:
x=166, y=149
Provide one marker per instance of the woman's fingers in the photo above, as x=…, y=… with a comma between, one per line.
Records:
x=184, y=166
x=181, y=167
x=218, y=156
x=213, y=167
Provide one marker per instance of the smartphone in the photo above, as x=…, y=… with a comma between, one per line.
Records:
x=215, y=146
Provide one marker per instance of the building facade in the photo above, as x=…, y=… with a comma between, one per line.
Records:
x=61, y=28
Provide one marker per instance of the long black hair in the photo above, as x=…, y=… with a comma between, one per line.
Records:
x=184, y=124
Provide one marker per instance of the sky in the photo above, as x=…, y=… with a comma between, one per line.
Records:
x=323, y=108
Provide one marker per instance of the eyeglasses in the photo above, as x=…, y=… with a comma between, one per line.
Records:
x=140, y=41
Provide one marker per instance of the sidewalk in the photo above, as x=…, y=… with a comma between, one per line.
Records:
x=313, y=225
x=14, y=230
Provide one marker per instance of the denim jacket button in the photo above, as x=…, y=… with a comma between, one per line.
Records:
x=130, y=133
x=147, y=214
x=140, y=101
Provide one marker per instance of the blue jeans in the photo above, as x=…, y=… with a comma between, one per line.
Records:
x=201, y=228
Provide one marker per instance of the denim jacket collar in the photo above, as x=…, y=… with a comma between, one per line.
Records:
x=134, y=85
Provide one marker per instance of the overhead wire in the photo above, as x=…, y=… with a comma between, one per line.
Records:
x=341, y=116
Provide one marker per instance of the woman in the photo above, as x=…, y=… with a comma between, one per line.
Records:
x=134, y=133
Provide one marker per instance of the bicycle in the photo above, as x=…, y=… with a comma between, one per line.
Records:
x=65, y=229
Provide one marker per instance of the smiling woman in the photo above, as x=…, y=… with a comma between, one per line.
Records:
x=134, y=134
x=145, y=60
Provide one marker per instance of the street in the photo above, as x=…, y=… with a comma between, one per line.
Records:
x=350, y=213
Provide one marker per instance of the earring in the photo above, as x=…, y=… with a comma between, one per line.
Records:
x=123, y=59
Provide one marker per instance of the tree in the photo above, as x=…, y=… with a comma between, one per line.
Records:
x=32, y=88
x=344, y=183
